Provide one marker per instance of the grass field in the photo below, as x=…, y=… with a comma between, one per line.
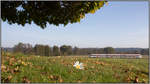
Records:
x=41, y=69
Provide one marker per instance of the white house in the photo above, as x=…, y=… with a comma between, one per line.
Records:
x=116, y=55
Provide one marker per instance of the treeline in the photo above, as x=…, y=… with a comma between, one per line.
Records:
x=44, y=50
x=64, y=50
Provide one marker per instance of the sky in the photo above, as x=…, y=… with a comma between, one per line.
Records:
x=118, y=24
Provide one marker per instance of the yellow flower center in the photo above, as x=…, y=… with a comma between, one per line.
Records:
x=78, y=66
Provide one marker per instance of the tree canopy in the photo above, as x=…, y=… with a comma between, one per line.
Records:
x=43, y=12
x=109, y=50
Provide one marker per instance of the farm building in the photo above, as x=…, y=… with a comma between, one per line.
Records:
x=116, y=55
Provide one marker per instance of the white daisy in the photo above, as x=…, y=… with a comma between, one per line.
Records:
x=78, y=65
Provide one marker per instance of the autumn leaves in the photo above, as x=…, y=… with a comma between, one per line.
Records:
x=35, y=69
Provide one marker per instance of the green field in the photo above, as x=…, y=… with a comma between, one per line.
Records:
x=42, y=69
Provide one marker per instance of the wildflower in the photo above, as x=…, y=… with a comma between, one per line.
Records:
x=78, y=65
x=23, y=63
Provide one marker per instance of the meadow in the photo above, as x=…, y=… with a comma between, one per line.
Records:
x=20, y=68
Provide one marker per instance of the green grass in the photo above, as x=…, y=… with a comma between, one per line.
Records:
x=43, y=69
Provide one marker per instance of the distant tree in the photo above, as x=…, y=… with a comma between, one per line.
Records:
x=144, y=52
x=69, y=50
x=63, y=50
x=48, y=51
x=37, y=49
x=56, y=51
x=66, y=50
x=101, y=50
x=96, y=51
x=76, y=51
x=109, y=50
x=28, y=49
x=43, y=12
x=23, y=48
x=19, y=47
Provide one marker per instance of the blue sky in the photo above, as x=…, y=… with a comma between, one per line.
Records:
x=118, y=24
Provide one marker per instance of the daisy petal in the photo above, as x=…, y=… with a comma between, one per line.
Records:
x=81, y=64
x=77, y=62
x=74, y=65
